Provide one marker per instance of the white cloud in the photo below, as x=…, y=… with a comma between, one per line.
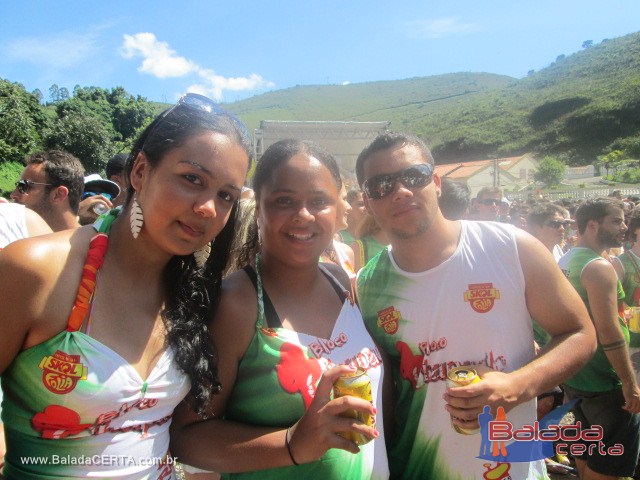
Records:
x=161, y=61
x=59, y=52
x=441, y=27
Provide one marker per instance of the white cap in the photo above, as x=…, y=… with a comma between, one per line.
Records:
x=95, y=183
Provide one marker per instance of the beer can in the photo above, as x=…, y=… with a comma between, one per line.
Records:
x=634, y=320
x=461, y=377
x=356, y=384
x=100, y=209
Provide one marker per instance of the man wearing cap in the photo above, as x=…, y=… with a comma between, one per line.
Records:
x=51, y=184
x=97, y=198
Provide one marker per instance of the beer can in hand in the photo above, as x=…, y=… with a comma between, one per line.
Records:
x=100, y=209
x=461, y=377
x=356, y=384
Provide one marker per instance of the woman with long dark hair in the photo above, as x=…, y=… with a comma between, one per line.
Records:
x=106, y=325
x=286, y=329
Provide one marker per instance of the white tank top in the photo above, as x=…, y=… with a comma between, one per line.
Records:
x=13, y=225
x=471, y=309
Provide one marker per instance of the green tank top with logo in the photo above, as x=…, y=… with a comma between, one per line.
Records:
x=276, y=383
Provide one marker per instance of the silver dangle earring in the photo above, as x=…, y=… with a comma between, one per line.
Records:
x=202, y=254
x=135, y=218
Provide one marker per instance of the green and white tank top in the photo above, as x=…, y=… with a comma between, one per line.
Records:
x=470, y=309
x=74, y=408
x=277, y=380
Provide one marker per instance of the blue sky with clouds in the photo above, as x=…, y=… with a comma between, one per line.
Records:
x=235, y=49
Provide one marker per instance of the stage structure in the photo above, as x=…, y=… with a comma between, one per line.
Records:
x=345, y=140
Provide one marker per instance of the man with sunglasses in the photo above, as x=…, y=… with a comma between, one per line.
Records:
x=51, y=184
x=549, y=223
x=451, y=293
x=488, y=203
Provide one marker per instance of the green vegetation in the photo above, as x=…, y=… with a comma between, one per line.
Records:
x=93, y=123
x=9, y=174
x=581, y=109
x=550, y=172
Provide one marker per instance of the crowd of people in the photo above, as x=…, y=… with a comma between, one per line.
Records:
x=168, y=313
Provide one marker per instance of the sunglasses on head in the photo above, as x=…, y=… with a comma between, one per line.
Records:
x=489, y=202
x=24, y=186
x=92, y=194
x=415, y=176
x=194, y=101
x=558, y=223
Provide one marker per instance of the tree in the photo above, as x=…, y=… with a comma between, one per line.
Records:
x=550, y=171
x=21, y=121
x=587, y=44
x=38, y=94
x=84, y=135
x=129, y=115
x=63, y=93
x=54, y=93
x=560, y=57
x=611, y=160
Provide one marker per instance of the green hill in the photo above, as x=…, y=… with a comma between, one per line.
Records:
x=578, y=108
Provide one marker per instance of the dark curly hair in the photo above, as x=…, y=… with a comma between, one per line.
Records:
x=61, y=168
x=192, y=293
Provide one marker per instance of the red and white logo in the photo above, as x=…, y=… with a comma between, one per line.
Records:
x=481, y=296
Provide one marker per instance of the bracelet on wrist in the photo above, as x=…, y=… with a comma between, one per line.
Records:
x=288, y=445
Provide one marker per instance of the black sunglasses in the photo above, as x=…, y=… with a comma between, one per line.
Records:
x=415, y=176
x=194, y=101
x=558, y=223
x=24, y=186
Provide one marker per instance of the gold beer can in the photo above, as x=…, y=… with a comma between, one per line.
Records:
x=356, y=384
x=461, y=377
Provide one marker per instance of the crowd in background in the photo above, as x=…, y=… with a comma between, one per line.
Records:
x=303, y=256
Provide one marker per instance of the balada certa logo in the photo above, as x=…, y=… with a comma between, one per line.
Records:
x=504, y=443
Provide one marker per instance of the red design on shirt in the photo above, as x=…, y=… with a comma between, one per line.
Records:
x=297, y=373
x=269, y=332
x=481, y=296
x=410, y=364
x=95, y=258
x=498, y=472
x=389, y=320
x=57, y=422
x=61, y=372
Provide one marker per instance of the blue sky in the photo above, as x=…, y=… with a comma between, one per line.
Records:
x=233, y=49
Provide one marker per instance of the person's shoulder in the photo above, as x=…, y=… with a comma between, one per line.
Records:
x=35, y=223
x=380, y=262
x=490, y=235
x=238, y=299
x=235, y=318
x=44, y=255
